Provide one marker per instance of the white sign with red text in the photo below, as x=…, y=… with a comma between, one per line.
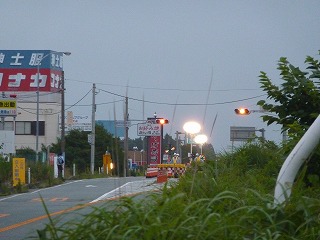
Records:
x=149, y=129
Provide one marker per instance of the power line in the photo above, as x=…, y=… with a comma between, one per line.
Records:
x=171, y=89
x=104, y=103
x=79, y=100
x=184, y=104
x=25, y=109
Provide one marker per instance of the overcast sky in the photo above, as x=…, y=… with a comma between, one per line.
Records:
x=167, y=52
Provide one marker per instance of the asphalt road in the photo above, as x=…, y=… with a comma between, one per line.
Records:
x=22, y=214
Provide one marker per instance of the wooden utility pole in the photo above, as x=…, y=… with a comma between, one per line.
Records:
x=125, y=160
x=93, y=126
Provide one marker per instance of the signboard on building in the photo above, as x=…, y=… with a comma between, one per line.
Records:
x=76, y=122
x=148, y=129
x=19, y=70
x=18, y=171
x=8, y=107
x=242, y=133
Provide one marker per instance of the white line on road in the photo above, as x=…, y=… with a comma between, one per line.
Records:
x=42, y=189
x=130, y=188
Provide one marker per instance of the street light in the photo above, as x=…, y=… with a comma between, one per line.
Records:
x=38, y=89
x=134, y=153
x=201, y=139
x=191, y=128
x=141, y=156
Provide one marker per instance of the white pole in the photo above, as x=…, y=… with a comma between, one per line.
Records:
x=292, y=164
x=29, y=176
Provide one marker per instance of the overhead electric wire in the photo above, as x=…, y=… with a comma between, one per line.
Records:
x=104, y=103
x=25, y=109
x=79, y=100
x=171, y=89
x=185, y=104
x=23, y=97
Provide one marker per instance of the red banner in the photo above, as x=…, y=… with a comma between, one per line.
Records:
x=51, y=159
x=22, y=80
x=154, y=149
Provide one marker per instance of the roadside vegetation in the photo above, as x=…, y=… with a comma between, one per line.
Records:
x=230, y=197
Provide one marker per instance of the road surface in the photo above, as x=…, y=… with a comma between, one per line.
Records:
x=22, y=214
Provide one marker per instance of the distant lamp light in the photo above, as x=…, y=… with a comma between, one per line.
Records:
x=192, y=127
x=242, y=111
x=201, y=139
x=162, y=121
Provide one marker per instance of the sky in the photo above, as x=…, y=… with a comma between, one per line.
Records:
x=184, y=60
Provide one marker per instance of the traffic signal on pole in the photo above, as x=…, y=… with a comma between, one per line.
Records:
x=242, y=111
x=162, y=121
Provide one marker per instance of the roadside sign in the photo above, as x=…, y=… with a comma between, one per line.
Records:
x=8, y=107
x=19, y=171
x=90, y=138
x=242, y=133
x=148, y=129
x=121, y=123
x=76, y=121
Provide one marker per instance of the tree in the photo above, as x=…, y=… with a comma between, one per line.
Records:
x=296, y=102
x=78, y=150
x=139, y=142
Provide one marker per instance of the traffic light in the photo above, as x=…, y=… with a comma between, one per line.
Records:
x=162, y=121
x=242, y=111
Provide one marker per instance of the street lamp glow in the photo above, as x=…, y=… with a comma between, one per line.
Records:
x=201, y=139
x=192, y=127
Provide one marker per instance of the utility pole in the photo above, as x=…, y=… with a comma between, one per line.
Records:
x=63, y=140
x=125, y=160
x=93, y=125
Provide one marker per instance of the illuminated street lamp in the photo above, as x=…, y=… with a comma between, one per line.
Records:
x=191, y=128
x=38, y=89
x=201, y=139
x=134, y=153
x=242, y=111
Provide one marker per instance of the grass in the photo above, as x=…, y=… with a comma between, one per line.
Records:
x=235, y=204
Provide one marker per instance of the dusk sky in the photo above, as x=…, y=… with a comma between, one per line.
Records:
x=167, y=53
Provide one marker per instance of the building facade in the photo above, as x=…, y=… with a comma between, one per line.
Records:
x=34, y=78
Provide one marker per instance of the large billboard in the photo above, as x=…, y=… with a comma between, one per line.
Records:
x=242, y=133
x=116, y=128
x=19, y=70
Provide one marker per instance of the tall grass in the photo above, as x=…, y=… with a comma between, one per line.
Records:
x=235, y=204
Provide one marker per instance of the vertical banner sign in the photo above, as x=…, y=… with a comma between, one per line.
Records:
x=19, y=171
x=51, y=159
x=106, y=163
x=155, y=135
x=154, y=149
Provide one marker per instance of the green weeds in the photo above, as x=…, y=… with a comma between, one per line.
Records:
x=236, y=203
